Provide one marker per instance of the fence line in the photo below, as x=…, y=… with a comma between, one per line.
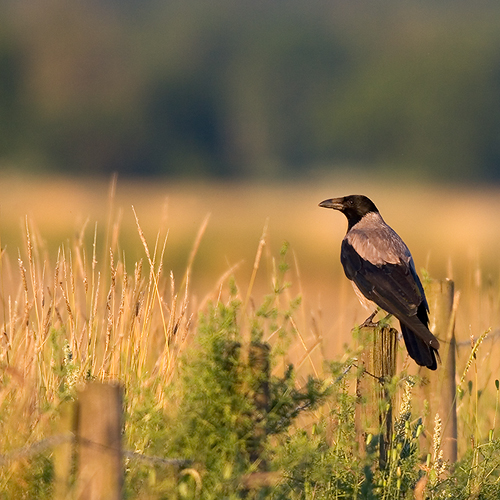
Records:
x=35, y=448
x=135, y=455
x=490, y=336
x=76, y=437
x=38, y=447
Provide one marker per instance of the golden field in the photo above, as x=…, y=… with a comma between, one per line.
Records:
x=71, y=248
x=453, y=232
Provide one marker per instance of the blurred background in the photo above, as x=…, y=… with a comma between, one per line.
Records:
x=255, y=110
x=251, y=89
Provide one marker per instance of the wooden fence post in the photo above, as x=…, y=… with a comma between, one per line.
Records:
x=374, y=403
x=440, y=392
x=100, y=468
x=64, y=453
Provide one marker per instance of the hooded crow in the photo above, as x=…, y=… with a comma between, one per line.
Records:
x=381, y=268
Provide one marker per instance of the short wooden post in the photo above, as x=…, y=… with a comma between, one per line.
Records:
x=441, y=390
x=100, y=468
x=63, y=453
x=374, y=407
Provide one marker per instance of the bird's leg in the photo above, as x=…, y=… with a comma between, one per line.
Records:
x=385, y=320
x=368, y=322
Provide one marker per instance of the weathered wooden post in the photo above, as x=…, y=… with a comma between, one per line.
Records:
x=377, y=366
x=440, y=392
x=64, y=453
x=100, y=468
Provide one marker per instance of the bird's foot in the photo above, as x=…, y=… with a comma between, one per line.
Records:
x=368, y=322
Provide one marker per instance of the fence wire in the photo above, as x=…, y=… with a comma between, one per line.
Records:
x=34, y=449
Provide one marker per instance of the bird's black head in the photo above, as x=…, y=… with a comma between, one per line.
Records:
x=354, y=207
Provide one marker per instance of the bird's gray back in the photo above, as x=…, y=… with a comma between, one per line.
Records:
x=377, y=242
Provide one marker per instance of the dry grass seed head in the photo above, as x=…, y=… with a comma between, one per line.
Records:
x=472, y=355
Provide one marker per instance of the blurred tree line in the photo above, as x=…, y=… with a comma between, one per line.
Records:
x=251, y=87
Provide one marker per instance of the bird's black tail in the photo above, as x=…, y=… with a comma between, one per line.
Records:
x=422, y=353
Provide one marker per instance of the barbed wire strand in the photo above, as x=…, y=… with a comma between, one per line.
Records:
x=35, y=448
x=53, y=441
x=134, y=455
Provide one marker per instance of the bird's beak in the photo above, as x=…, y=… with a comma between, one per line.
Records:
x=335, y=203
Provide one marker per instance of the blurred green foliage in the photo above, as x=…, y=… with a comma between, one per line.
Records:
x=251, y=88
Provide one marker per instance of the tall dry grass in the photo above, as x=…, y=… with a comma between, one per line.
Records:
x=84, y=315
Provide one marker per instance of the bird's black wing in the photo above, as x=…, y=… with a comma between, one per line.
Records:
x=394, y=287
